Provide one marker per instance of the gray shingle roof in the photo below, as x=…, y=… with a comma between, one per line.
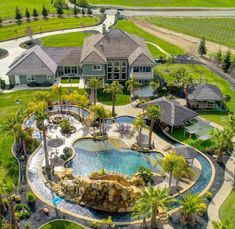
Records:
x=205, y=92
x=172, y=113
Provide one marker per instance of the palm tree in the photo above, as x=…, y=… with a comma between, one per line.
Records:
x=191, y=206
x=94, y=83
x=131, y=84
x=222, y=224
x=153, y=114
x=139, y=124
x=230, y=122
x=101, y=114
x=223, y=141
x=57, y=91
x=114, y=88
x=151, y=200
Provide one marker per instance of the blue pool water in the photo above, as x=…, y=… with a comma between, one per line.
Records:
x=93, y=156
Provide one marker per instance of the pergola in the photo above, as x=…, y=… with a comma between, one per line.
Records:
x=187, y=152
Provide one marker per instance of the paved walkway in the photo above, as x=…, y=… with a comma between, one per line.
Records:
x=15, y=50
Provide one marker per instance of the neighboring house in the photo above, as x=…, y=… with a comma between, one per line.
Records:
x=172, y=113
x=205, y=96
x=114, y=55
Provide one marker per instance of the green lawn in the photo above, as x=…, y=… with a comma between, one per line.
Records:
x=168, y=3
x=155, y=51
x=65, y=40
x=14, y=31
x=122, y=99
x=227, y=209
x=69, y=80
x=201, y=72
x=219, y=30
x=130, y=27
x=62, y=225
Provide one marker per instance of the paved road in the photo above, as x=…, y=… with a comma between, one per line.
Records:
x=15, y=50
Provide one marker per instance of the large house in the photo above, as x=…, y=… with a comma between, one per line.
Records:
x=113, y=55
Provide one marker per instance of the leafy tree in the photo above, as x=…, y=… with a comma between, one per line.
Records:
x=151, y=200
x=83, y=12
x=153, y=114
x=83, y=3
x=75, y=10
x=191, y=206
x=102, y=10
x=154, y=85
x=226, y=62
x=132, y=83
x=35, y=13
x=114, y=88
x=94, y=83
x=57, y=92
x=139, y=124
x=2, y=84
x=89, y=11
x=146, y=174
x=202, y=50
x=27, y=14
x=60, y=10
x=18, y=15
x=44, y=11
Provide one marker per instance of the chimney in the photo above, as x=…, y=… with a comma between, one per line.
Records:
x=102, y=46
x=103, y=29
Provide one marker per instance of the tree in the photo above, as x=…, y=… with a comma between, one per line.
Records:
x=218, y=57
x=153, y=114
x=75, y=10
x=151, y=200
x=191, y=206
x=146, y=174
x=94, y=83
x=230, y=123
x=60, y=10
x=154, y=85
x=202, y=50
x=132, y=83
x=27, y=14
x=18, y=15
x=83, y=3
x=139, y=124
x=222, y=224
x=83, y=12
x=35, y=13
x=226, y=62
x=114, y=88
x=89, y=11
x=44, y=11
x=101, y=114
x=2, y=84
x=169, y=61
x=102, y=10
x=57, y=92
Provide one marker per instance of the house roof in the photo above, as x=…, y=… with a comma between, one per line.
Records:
x=117, y=44
x=172, y=113
x=35, y=53
x=205, y=92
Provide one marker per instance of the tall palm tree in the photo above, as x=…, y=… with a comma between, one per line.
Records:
x=114, y=88
x=222, y=224
x=132, y=83
x=153, y=114
x=151, y=200
x=57, y=91
x=223, y=141
x=94, y=83
x=139, y=124
x=191, y=206
x=101, y=114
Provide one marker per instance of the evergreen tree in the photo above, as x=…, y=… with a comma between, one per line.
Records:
x=226, y=62
x=75, y=10
x=218, y=57
x=18, y=14
x=35, y=13
x=83, y=12
x=44, y=11
x=202, y=47
x=60, y=10
x=27, y=14
x=89, y=11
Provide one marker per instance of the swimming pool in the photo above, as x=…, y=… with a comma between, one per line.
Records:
x=104, y=155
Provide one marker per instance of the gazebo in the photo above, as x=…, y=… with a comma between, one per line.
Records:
x=187, y=152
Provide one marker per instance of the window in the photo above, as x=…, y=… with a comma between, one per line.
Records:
x=31, y=78
x=96, y=67
x=148, y=69
x=109, y=76
x=123, y=76
x=48, y=77
x=67, y=70
x=74, y=70
x=124, y=63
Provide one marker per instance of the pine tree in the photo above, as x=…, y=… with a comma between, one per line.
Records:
x=18, y=14
x=226, y=62
x=27, y=14
x=35, y=13
x=218, y=57
x=75, y=10
x=44, y=11
x=89, y=11
x=83, y=12
x=202, y=47
x=60, y=10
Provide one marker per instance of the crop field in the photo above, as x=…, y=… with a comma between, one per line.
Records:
x=164, y=3
x=130, y=27
x=13, y=31
x=218, y=30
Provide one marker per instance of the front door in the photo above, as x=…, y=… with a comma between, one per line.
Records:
x=17, y=80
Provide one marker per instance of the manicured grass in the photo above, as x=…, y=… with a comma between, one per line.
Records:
x=155, y=51
x=227, y=209
x=14, y=31
x=219, y=30
x=200, y=72
x=130, y=27
x=65, y=40
x=162, y=3
x=122, y=99
x=67, y=80
x=62, y=225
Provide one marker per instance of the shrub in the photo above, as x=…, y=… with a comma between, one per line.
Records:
x=31, y=198
x=27, y=226
x=22, y=211
x=208, y=195
x=67, y=153
x=46, y=84
x=34, y=84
